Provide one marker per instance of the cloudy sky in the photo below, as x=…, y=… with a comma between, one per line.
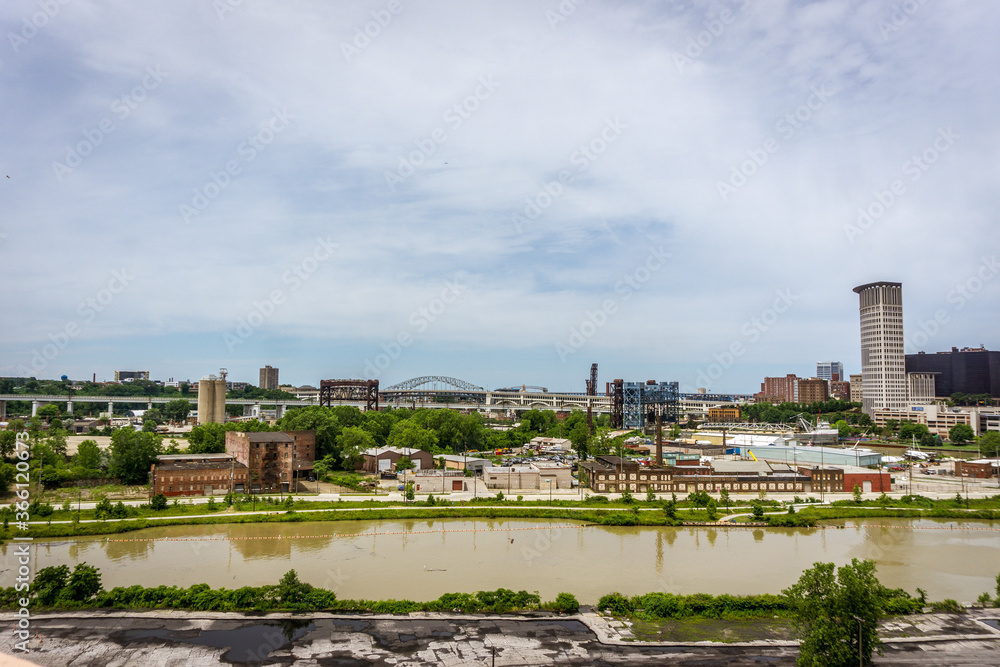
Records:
x=502, y=192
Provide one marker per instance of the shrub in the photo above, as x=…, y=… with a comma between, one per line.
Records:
x=565, y=603
x=947, y=606
x=616, y=603
x=698, y=499
x=627, y=497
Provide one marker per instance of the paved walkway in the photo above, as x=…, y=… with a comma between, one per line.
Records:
x=112, y=639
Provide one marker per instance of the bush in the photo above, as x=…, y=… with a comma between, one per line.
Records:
x=158, y=502
x=565, y=603
x=627, y=497
x=699, y=499
x=616, y=603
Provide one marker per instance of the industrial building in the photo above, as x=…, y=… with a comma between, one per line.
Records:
x=197, y=475
x=792, y=454
x=384, y=459
x=613, y=474
x=540, y=476
x=276, y=460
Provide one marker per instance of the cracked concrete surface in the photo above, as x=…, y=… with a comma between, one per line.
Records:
x=168, y=638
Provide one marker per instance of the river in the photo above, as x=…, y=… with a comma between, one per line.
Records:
x=420, y=560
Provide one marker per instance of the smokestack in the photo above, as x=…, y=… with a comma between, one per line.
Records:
x=659, y=438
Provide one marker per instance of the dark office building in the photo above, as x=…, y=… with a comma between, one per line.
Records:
x=967, y=371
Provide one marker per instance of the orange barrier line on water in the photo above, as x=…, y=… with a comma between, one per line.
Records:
x=292, y=537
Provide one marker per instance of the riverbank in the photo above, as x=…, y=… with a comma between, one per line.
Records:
x=615, y=513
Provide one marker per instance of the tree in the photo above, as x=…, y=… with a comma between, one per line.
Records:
x=712, y=510
x=49, y=583
x=352, y=442
x=84, y=583
x=149, y=426
x=177, y=410
x=158, y=502
x=989, y=444
x=88, y=455
x=960, y=434
x=579, y=436
x=856, y=493
x=843, y=429
x=132, y=454
x=410, y=434
x=837, y=615
x=48, y=411
x=404, y=463
x=315, y=418
x=724, y=497
x=207, y=439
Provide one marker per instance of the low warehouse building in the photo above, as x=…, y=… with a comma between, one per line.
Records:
x=197, y=475
x=384, y=459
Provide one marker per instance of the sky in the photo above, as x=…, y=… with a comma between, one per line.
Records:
x=500, y=192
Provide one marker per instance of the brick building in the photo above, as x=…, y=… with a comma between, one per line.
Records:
x=779, y=389
x=275, y=459
x=813, y=390
x=197, y=475
x=611, y=474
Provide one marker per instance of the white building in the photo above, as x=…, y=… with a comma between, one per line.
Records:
x=883, y=362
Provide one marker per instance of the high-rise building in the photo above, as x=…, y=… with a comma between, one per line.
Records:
x=855, y=387
x=883, y=363
x=122, y=376
x=268, y=378
x=966, y=371
x=825, y=370
x=813, y=390
x=780, y=389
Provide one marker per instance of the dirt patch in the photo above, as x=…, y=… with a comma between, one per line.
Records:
x=711, y=629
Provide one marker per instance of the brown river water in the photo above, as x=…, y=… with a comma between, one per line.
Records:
x=422, y=559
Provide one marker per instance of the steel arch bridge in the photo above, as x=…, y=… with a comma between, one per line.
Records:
x=414, y=383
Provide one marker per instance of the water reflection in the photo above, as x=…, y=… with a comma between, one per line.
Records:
x=353, y=557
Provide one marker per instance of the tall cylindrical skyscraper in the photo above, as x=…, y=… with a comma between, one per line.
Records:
x=883, y=362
